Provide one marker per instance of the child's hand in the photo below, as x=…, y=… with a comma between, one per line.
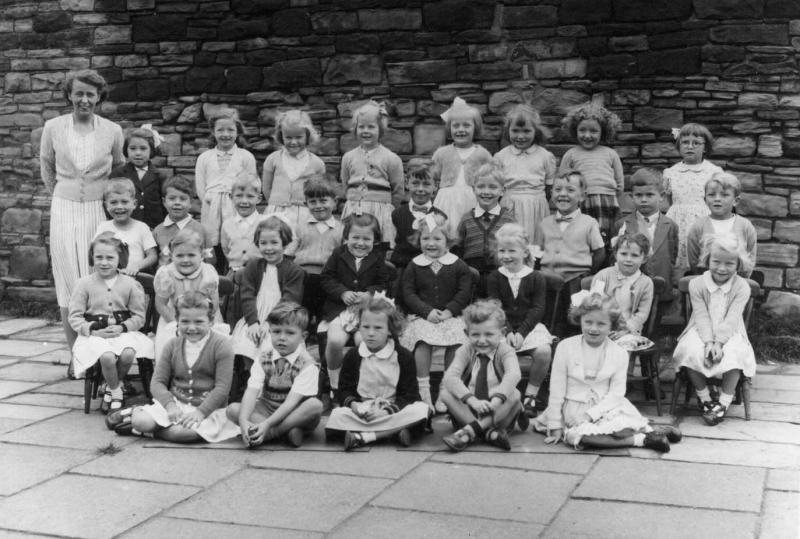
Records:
x=708, y=354
x=257, y=433
x=244, y=428
x=350, y=298
x=375, y=413
x=254, y=332
x=132, y=271
x=444, y=315
x=192, y=419
x=173, y=413
x=716, y=352
x=515, y=340
x=480, y=407
x=553, y=436
x=434, y=317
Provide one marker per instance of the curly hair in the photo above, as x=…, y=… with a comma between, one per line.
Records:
x=484, y=310
x=512, y=232
x=609, y=122
x=86, y=76
x=395, y=320
x=597, y=302
x=725, y=180
x=298, y=119
x=522, y=115
x=493, y=170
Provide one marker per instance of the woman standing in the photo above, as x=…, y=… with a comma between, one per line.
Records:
x=77, y=153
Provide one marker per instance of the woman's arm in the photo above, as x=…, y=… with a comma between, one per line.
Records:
x=117, y=156
x=47, y=158
x=200, y=173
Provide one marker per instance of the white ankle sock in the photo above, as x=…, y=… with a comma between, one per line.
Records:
x=425, y=389
x=704, y=394
x=725, y=399
x=333, y=376
x=368, y=437
x=532, y=390
x=117, y=392
x=638, y=440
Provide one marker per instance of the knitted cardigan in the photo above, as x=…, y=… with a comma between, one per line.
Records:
x=290, y=281
x=447, y=163
x=406, y=391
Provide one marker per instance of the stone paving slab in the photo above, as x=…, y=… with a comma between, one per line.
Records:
x=784, y=480
x=759, y=410
x=431, y=487
x=61, y=357
x=9, y=534
x=574, y=463
x=21, y=348
x=585, y=519
x=26, y=465
x=399, y=524
x=31, y=371
x=9, y=388
x=67, y=387
x=735, y=453
x=179, y=528
x=179, y=466
x=792, y=370
x=737, y=429
x=86, y=515
x=678, y=484
x=48, y=333
x=778, y=396
x=5, y=362
x=8, y=424
x=781, y=515
x=282, y=499
x=73, y=429
x=74, y=402
x=17, y=325
x=773, y=381
x=21, y=411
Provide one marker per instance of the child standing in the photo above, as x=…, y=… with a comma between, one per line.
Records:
x=685, y=182
x=522, y=293
x=106, y=310
x=215, y=170
x=372, y=174
x=119, y=198
x=722, y=196
x=600, y=165
x=236, y=237
x=280, y=400
x=529, y=168
x=177, y=199
x=587, y=405
x=266, y=281
x=378, y=383
x=353, y=270
x=715, y=343
x=139, y=148
x=456, y=163
x=480, y=386
x=286, y=170
x=436, y=287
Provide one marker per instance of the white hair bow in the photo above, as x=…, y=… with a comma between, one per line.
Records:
x=157, y=139
x=429, y=220
x=459, y=105
x=676, y=131
x=382, y=295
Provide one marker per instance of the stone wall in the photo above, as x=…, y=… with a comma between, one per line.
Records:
x=730, y=64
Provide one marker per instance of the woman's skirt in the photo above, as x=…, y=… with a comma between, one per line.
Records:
x=451, y=332
x=217, y=207
x=72, y=228
x=605, y=209
x=87, y=350
x=345, y=419
x=214, y=428
x=529, y=209
x=539, y=336
x=382, y=211
x=455, y=201
x=167, y=330
x=737, y=353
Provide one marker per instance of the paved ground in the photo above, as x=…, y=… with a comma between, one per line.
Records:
x=740, y=479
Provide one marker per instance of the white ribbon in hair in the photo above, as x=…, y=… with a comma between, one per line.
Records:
x=459, y=105
x=429, y=220
x=382, y=295
x=157, y=139
x=676, y=131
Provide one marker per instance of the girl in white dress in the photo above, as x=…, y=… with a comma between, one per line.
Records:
x=587, y=405
x=715, y=343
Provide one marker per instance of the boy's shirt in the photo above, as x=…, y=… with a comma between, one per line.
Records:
x=277, y=376
x=315, y=243
x=567, y=242
x=476, y=235
x=236, y=239
x=663, y=245
x=167, y=230
x=137, y=237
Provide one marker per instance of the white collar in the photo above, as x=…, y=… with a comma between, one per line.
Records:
x=527, y=151
x=630, y=278
x=713, y=287
x=652, y=219
x=182, y=223
x=572, y=215
x=330, y=221
x=291, y=358
x=685, y=167
x=526, y=270
x=180, y=276
x=384, y=353
x=144, y=168
x=223, y=152
x=199, y=344
x=478, y=211
x=250, y=219
x=428, y=205
x=445, y=260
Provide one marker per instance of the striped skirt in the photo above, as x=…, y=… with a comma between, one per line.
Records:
x=605, y=209
x=72, y=227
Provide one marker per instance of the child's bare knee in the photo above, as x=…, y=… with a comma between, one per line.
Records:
x=108, y=359
x=232, y=412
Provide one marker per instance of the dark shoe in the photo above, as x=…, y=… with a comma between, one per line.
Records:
x=294, y=437
x=657, y=441
x=125, y=427
x=498, y=438
x=714, y=414
x=523, y=421
x=673, y=434
x=116, y=405
x=105, y=403
x=403, y=437
x=128, y=390
x=116, y=417
x=457, y=441
x=529, y=407
x=353, y=440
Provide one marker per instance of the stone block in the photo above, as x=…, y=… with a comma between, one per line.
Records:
x=293, y=73
x=428, y=137
x=750, y=181
x=734, y=146
x=685, y=61
x=424, y=71
x=758, y=100
x=390, y=19
x=160, y=27
x=780, y=9
x=781, y=303
x=205, y=79
x=31, y=293
x=763, y=205
x=457, y=15
x=51, y=21
x=558, y=69
x=501, y=102
x=778, y=254
x=334, y=21
x=426, y=107
x=729, y=9
x=191, y=114
x=612, y=65
x=131, y=60
x=16, y=82
x=21, y=221
x=643, y=10
x=353, y=68
x=77, y=5
x=397, y=140
x=581, y=12
x=762, y=34
x=291, y=22
x=29, y=262
x=242, y=79
x=780, y=514
x=792, y=101
x=659, y=150
x=656, y=119
x=486, y=53
x=111, y=35
x=763, y=228
x=793, y=278
x=773, y=277
x=770, y=145
x=631, y=97
x=530, y=16
x=39, y=463
x=21, y=119
x=794, y=203
x=628, y=43
x=489, y=71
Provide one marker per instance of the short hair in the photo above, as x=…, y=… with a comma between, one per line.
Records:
x=636, y=239
x=492, y=169
x=461, y=106
x=226, y=113
x=569, y=173
x=482, y=311
x=521, y=115
x=608, y=121
x=319, y=187
x=86, y=76
x=379, y=303
x=512, y=232
x=299, y=119
x=372, y=108
x=441, y=224
x=245, y=179
x=276, y=224
x=195, y=299
x=186, y=236
x=288, y=313
x=697, y=130
x=144, y=134
x=596, y=301
x=365, y=220
x=119, y=186
x=729, y=243
x=178, y=183
x=725, y=180
x=647, y=177
x=420, y=168
x=108, y=238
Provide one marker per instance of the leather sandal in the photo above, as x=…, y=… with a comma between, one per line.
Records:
x=457, y=441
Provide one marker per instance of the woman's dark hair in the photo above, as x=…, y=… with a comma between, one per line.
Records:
x=86, y=76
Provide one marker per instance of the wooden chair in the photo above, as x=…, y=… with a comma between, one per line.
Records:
x=743, y=386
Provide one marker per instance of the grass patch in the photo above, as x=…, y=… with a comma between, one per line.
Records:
x=110, y=449
x=775, y=338
x=17, y=308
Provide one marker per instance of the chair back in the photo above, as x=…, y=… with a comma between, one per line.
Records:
x=683, y=286
x=476, y=281
x=150, y=315
x=659, y=284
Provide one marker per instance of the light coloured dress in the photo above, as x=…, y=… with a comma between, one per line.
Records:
x=527, y=173
x=289, y=174
x=455, y=168
x=269, y=294
x=686, y=183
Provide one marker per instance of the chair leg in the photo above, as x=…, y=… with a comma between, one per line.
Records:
x=88, y=383
x=146, y=374
x=654, y=378
x=746, y=397
x=676, y=389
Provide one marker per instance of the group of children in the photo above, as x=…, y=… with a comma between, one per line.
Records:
x=473, y=227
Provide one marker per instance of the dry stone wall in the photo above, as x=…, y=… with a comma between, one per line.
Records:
x=730, y=64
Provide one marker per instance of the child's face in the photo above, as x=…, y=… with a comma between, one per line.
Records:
x=567, y=194
x=485, y=337
x=177, y=204
x=286, y=338
x=295, y=139
x=722, y=265
x=194, y=323
x=225, y=133
x=105, y=260
x=120, y=206
x=595, y=326
x=488, y=192
x=187, y=258
x=270, y=246
x=462, y=130
x=421, y=190
x=245, y=200
x=522, y=135
x=321, y=207
x=511, y=255
x=647, y=199
x=433, y=244
x=368, y=130
x=360, y=241
x=374, y=330
x=138, y=152
x=589, y=133
x=720, y=201
x=629, y=258
x=691, y=148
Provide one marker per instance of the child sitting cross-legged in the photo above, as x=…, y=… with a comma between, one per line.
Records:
x=280, y=399
x=378, y=382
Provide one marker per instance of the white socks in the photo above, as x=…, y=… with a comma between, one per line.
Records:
x=725, y=399
x=638, y=440
x=531, y=390
x=425, y=389
x=117, y=392
x=368, y=437
x=333, y=376
x=704, y=394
